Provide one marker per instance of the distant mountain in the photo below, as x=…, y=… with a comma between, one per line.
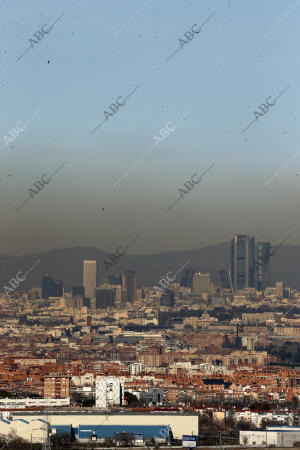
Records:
x=66, y=264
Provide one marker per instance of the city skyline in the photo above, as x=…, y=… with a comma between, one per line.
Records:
x=149, y=209
x=248, y=266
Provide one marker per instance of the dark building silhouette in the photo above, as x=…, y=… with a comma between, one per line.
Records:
x=58, y=289
x=262, y=265
x=224, y=278
x=47, y=281
x=86, y=302
x=52, y=288
x=129, y=285
x=105, y=296
x=187, y=277
x=77, y=290
x=167, y=299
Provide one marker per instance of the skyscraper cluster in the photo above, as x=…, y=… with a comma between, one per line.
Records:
x=116, y=288
x=249, y=262
x=52, y=288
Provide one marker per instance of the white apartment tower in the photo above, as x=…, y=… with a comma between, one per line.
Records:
x=109, y=392
x=89, y=278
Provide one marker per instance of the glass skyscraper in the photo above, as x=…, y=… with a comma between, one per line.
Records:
x=243, y=261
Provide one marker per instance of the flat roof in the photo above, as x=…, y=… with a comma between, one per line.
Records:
x=105, y=412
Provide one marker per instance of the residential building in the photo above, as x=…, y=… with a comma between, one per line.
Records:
x=109, y=392
x=57, y=386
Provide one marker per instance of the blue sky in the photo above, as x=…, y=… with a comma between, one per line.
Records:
x=220, y=78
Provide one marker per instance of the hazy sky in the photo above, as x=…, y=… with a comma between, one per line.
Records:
x=100, y=50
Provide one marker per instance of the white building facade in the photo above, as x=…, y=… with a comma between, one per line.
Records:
x=109, y=392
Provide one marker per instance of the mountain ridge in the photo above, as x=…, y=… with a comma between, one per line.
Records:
x=67, y=264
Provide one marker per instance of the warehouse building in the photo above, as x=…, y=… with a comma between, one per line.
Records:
x=179, y=423
x=279, y=436
x=137, y=434
x=29, y=430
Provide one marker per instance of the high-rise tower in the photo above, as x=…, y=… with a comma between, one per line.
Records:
x=243, y=261
x=89, y=278
x=129, y=285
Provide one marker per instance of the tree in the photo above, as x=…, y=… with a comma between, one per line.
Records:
x=83, y=400
x=61, y=440
x=245, y=425
x=13, y=441
x=131, y=399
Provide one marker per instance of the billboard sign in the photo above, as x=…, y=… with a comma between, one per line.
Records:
x=189, y=441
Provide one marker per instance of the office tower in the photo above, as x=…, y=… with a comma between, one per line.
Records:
x=187, y=277
x=262, y=265
x=201, y=283
x=114, y=280
x=89, y=278
x=105, y=296
x=167, y=299
x=129, y=285
x=47, y=280
x=57, y=289
x=78, y=290
x=243, y=261
x=224, y=278
x=52, y=288
x=109, y=392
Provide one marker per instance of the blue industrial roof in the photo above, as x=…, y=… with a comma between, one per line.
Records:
x=5, y=421
x=42, y=420
x=108, y=431
x=21, y=420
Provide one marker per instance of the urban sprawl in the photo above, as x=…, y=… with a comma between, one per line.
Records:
x=189, y=361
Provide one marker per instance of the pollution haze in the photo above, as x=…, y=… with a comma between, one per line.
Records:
x=175, y=121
